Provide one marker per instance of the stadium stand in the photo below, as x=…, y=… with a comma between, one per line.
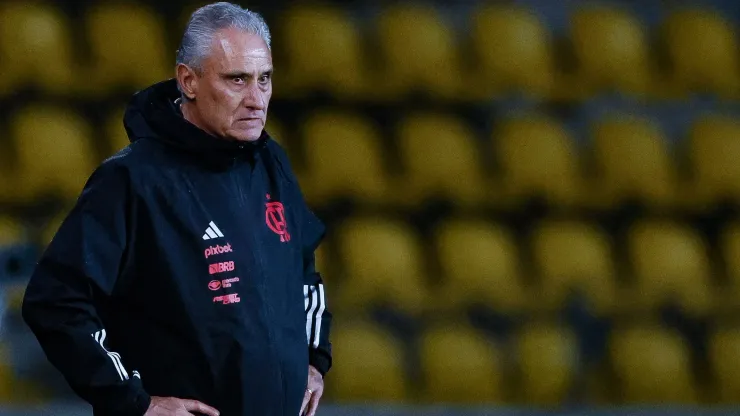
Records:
x=128, y=47
x=611, y=51
x=548, y=357
x=652, y=366
x=460, y=366
x=480, y=265
x=537, y=159
x=574, y=259
x=702, y=47
x=534, y=187
x=31, y=37
x=344, y=157
x=514, y=51
x=54, y=148
x=633, y=163
x=367, y=349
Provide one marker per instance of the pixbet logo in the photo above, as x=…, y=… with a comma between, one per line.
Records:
x=227, y=266
x=227, y=299
x=214, y=250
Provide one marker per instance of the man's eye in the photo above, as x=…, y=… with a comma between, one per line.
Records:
x=238, y=80
x=264, y=78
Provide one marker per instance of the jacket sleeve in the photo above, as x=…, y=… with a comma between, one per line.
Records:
x=75, y=276
x=318, y=316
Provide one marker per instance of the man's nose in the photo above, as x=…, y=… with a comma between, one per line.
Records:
x=254, y=98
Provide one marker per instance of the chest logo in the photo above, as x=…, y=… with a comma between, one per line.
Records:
x=275, y=219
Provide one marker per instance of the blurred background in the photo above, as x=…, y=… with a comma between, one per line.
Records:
x=531, y=204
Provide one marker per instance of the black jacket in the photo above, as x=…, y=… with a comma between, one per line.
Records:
x=186, y=268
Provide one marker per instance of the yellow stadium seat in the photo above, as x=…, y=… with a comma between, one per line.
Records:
x=514, y=51
x=611, y=49
x=652, y=366
x=548, y=360
x=337, y=66
x=418, y=51
x=344, y=157
x=55, y=152
x=537, y=158
x=480, y=266
x=440, y=156
x=460, y=366
x=703, y=50
x=574, y=256
x=128, y=47
x=714, y=152
x=369, y=365
x=633, y=160
x=383, y=265
x=35, y=48
x=724, y=348
x=670, y=264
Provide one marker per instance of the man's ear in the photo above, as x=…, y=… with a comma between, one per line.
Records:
x=188, y=81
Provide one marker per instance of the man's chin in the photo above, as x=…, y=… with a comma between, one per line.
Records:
x=249, y=135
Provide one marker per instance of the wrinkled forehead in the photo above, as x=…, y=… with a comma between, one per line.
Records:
x=235, y=49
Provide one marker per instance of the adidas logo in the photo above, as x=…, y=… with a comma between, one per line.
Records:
x=212, y=232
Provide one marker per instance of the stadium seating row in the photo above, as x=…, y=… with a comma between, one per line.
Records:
x=511, y=49
x=344, y=154
x=541, y=367
x=383, y=262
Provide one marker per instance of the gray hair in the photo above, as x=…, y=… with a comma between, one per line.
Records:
x=206, y=21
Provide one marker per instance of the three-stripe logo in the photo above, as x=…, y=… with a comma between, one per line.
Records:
x=212, y=232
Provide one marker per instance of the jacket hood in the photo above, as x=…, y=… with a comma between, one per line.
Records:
x=154, y=113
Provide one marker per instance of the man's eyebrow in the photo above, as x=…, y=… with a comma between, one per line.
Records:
x=236, y=74
x=242, y=74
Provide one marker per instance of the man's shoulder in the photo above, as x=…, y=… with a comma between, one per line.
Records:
x=277, y=149
x=278, y=152
x=132, y=161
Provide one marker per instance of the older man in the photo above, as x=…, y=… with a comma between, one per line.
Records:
x=183, y=280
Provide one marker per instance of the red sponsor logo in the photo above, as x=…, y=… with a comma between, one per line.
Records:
x=228, y=282
x=214, y=284
x=275, y=219
x=227, y=299
x=214, y=250
x=227, y=266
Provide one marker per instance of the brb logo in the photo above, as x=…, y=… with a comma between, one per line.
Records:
x=214, y=250
x=275, y=219
x=227, y=266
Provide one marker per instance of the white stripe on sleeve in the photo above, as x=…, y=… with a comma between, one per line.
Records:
x=319, y=314
x=99, y=337
x=309, y=314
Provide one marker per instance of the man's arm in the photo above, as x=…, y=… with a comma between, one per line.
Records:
x=318, y=316
x=76, y=274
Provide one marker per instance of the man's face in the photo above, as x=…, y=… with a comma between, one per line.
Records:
x=234, y=89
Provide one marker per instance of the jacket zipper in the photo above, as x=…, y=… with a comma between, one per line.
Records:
x=269, y=313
